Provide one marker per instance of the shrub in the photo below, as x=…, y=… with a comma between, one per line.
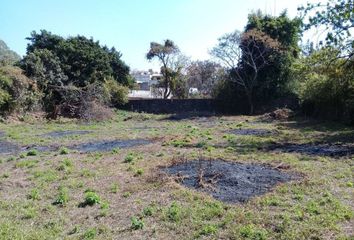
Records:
x=209, y=230
x=32, y=152
x=325, y=85
x=116, y=93
x=91, y=198
x=129, y=158
x=18, y=93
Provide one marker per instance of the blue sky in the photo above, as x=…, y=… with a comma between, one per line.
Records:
x=130, y=25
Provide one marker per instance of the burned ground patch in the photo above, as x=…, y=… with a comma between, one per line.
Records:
x=252, y=132
x=8, y=147
x=59, y=134
x=228, y=181
x=104, y=146
x=331, y=150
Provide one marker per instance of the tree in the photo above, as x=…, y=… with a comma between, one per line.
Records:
x=337, y=18
x=73, y=70
x=277, y=73
x=7, y=56
x=165, y=53
x=204, y=75
x=246, y=54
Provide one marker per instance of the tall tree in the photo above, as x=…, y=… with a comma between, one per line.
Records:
x=165, y=53
x=246, y=54
x=7, y=56
x=337, y=16
x=287, y=32
x=204, y=75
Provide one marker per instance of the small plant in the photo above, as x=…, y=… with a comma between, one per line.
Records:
x=114, y=188
x=115, y=150
x=174, y=212
x=63, y=196
x=5, y=175
x=34, y=194
x=65, y=165
x=251, y=232
x=90, y=234
x=139, y=172
x=32, y=152
x=148, y=211
x=129, y=158
x=209, y=230
x=91, y=198
x=137, y=223
x=63, y=151
x=127, y=194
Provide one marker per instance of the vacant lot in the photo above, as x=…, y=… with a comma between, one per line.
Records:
x=143, y=176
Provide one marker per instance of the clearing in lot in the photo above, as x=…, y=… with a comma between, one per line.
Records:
x=142, y=176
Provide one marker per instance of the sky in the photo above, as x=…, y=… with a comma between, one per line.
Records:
x=130, y=25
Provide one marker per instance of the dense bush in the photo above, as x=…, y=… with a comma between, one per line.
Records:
x=75, y=73
x=325, y=84
x=18, y=93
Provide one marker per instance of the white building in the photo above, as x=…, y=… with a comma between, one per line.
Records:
x=146, y=81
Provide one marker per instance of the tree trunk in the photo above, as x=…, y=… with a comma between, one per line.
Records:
x=250, y=103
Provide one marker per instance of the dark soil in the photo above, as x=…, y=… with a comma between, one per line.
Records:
x=104, y=146
x=8, y=147
x=332, y=150
x=228, y=181
x=59, y=134
x=40, y=148
x=253, y=132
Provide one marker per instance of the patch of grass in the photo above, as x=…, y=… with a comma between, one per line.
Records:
x=63, y=151
x=174, y=212
x=127, y=194
x=63, y=196
x=137, y=223
x=129, y=158
x=32, y=152
x=148, y=211
x=34, y=194
x=90, y=234
x=29, y=163
x=209, y=229
x=252, y=232
x=91, y=198
x=114, y=188
x=139, y=172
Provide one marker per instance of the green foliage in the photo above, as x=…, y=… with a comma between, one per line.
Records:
x=17, y=92
x=117, y=93
x=34, y=194
x=7, y=56
x=72, y=71
x=252, y=233
x=325, y=84
x=137, y=223
x=63, y=151
x=90, y=234
x=337, y=18
x=174, y=212
x=209, y=230
x=276, y=74
x=32, y=152
x=91, y=198
x=63, y=196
